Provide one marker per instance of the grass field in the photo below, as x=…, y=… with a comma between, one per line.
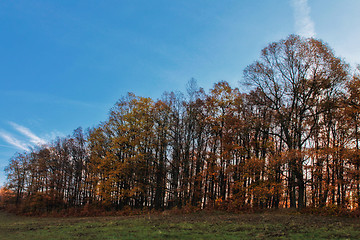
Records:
x=202, y=225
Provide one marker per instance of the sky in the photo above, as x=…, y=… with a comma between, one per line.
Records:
x=64, y=64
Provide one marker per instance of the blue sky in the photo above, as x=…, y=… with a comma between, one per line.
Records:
x=63, y=64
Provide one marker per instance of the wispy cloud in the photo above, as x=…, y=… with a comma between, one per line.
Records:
x=52, y=135
x=14, y=141
x=26, y=143
x=46, y=98
x=8, y=146
x=304, y=25
x=28, y=133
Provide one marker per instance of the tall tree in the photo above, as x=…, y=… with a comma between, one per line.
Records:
x=296, y=77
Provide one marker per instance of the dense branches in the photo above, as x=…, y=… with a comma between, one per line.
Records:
x=293, y=141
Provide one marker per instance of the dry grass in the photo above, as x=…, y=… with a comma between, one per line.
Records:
x=169, y=225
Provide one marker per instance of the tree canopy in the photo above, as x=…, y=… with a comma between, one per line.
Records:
x=291, y=142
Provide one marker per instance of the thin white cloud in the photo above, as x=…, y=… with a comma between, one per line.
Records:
x=41, y=98
x=304, y=25
x=7, y=146
x=27, y=132
x=52, y=135
x=14, y=141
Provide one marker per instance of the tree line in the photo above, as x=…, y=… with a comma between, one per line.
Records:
x=290, y=142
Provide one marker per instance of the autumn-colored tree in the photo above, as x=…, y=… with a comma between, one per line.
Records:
x=292, y=141
x=299, y=79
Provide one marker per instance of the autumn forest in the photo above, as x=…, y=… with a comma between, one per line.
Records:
x=291, y=141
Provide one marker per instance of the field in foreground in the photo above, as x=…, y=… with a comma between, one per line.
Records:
x=202, y=225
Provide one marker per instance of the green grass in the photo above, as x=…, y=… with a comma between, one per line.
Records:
x=202, y=225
